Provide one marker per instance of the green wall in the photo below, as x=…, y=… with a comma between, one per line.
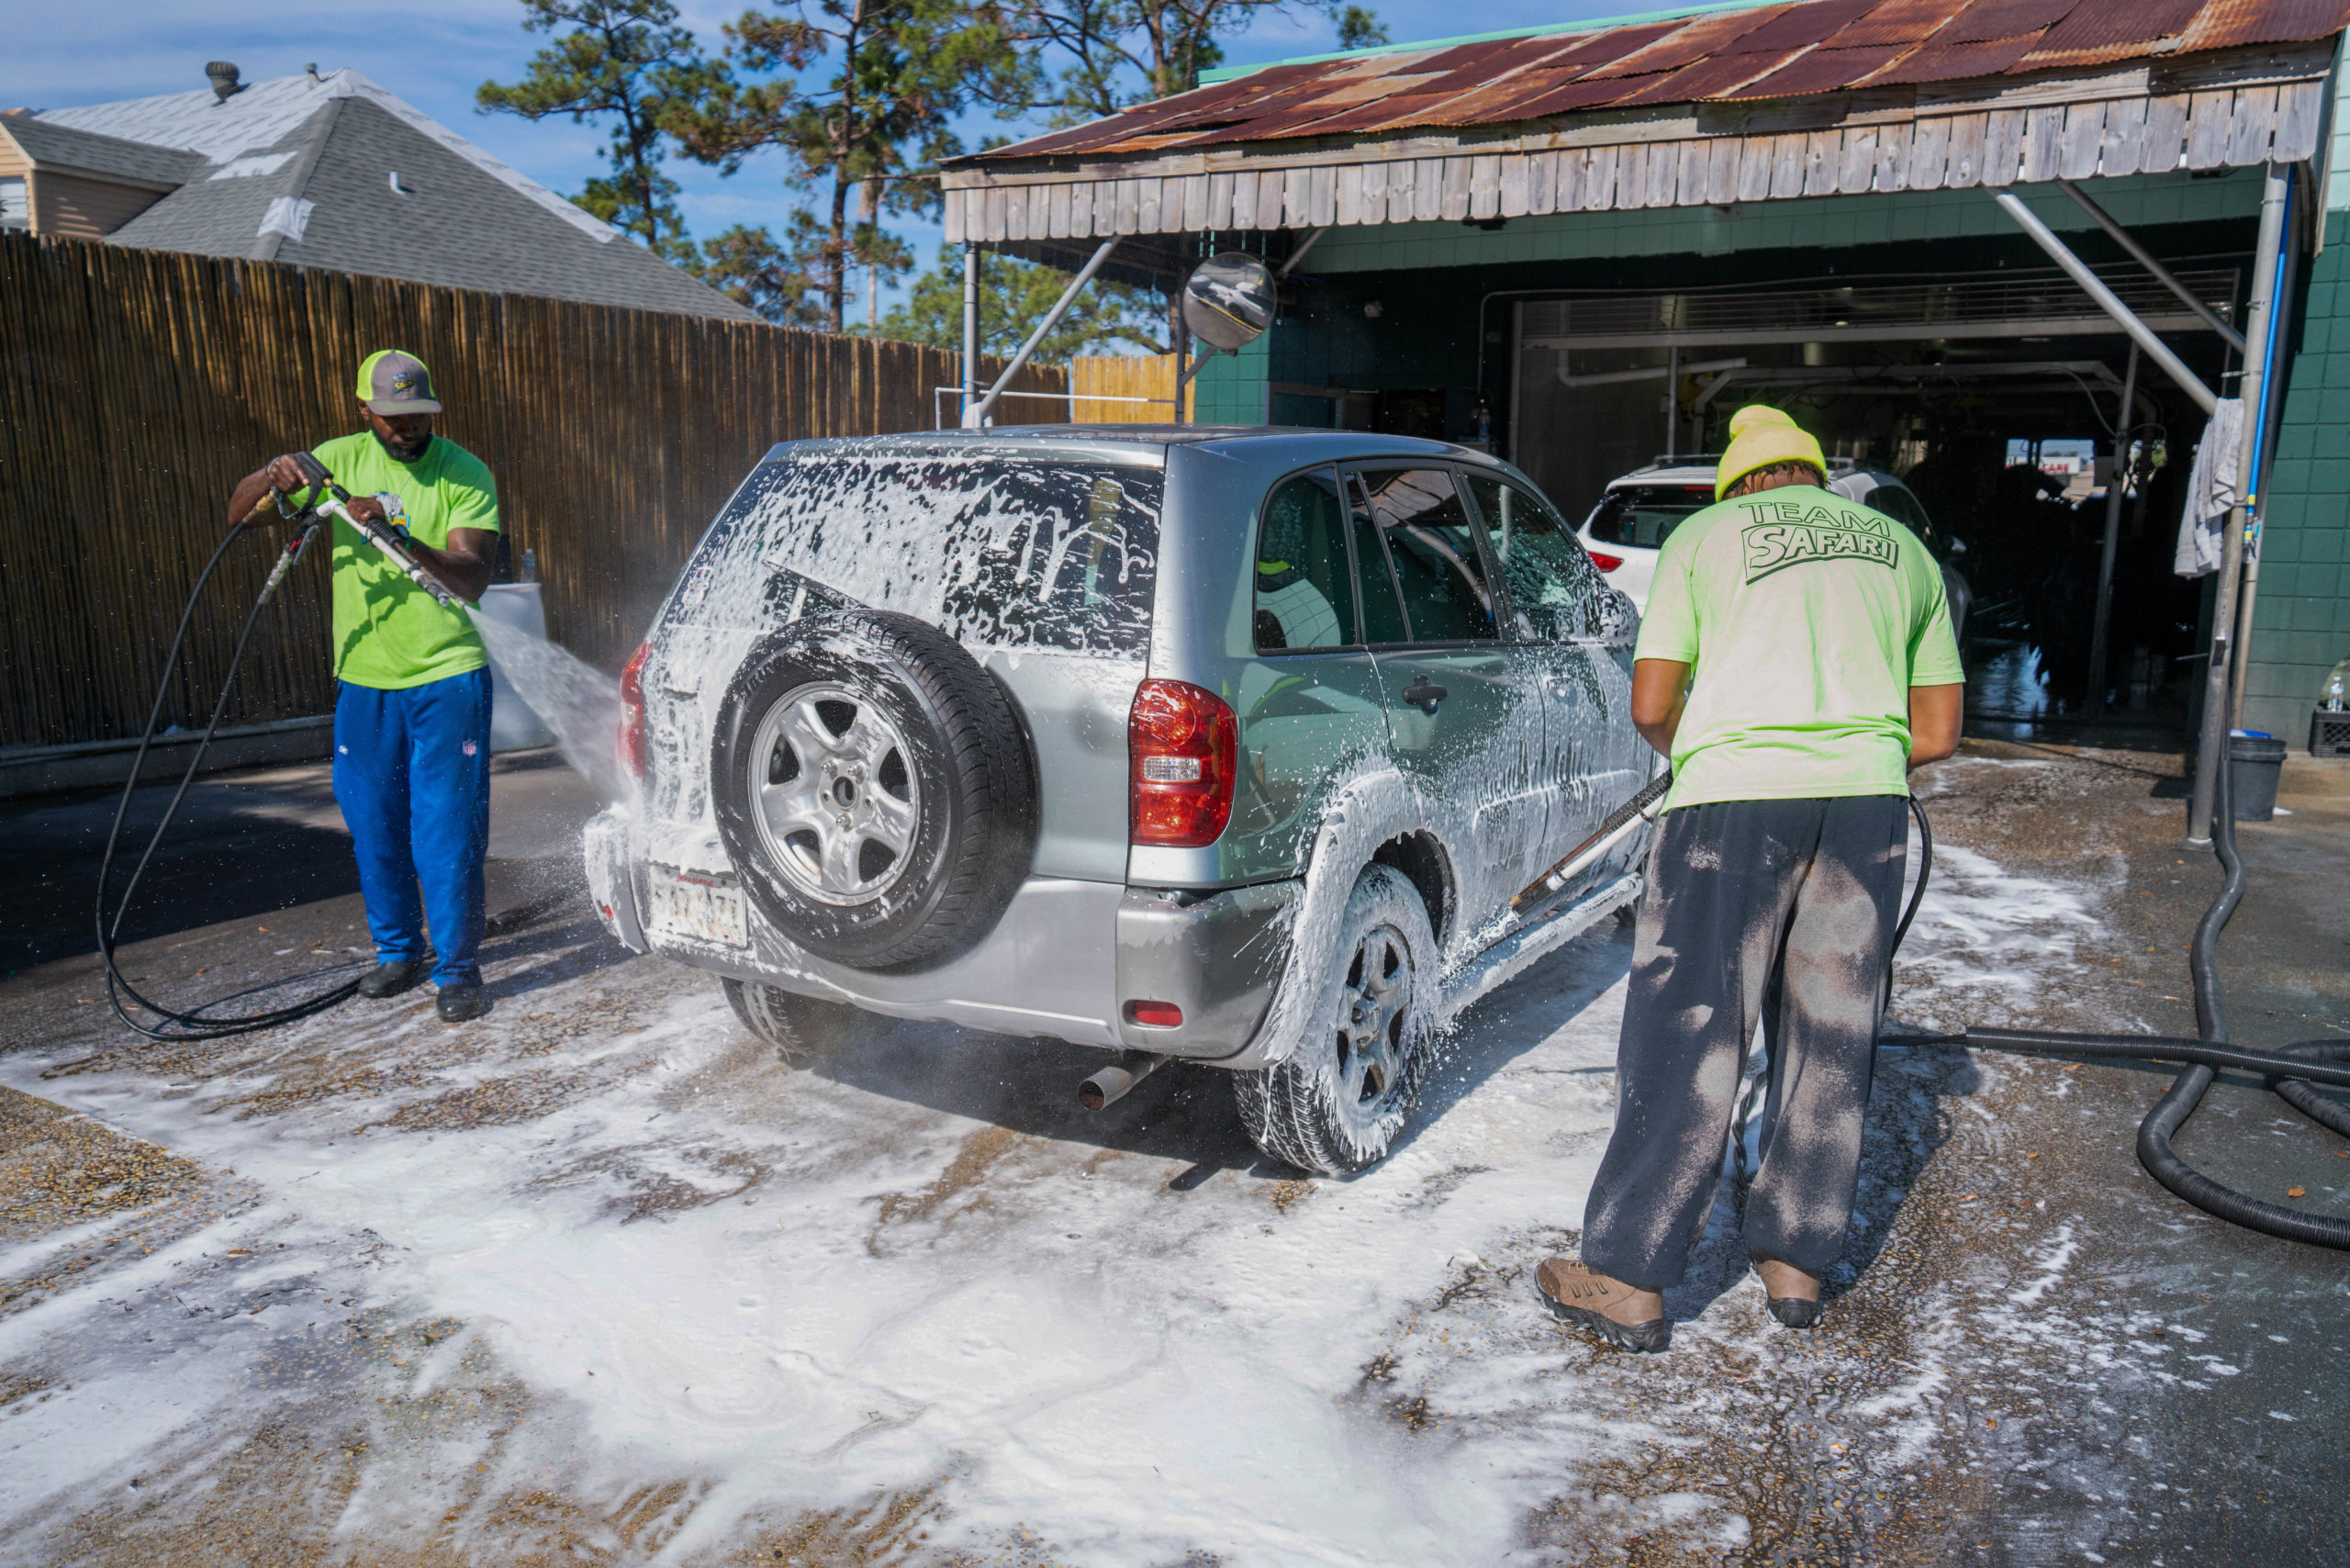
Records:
x=2301, y=620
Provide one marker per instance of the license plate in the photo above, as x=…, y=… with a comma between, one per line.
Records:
x=687, y=903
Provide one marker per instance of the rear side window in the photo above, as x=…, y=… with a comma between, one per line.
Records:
x=1644, y=516
x=1902, y=507
x=1304, y=591
x=1432, y=550
x=1550, y=578
x=994, y=551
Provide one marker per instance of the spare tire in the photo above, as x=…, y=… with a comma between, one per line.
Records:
x=874, y=789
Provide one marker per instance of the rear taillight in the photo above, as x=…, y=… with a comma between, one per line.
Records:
x=632, y=710
x=1606, y=563
x=1183, y=747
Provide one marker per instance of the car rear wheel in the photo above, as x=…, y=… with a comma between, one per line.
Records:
x=798, y=1025
x=873, y=788
x=1339, y=1102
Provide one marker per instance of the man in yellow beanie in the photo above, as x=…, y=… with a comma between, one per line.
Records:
x=1795, y=661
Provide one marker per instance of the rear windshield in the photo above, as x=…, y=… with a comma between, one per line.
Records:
x=993, y=551
x=1645, y=515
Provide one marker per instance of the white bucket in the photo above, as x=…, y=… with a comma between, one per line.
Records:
x=512, y=725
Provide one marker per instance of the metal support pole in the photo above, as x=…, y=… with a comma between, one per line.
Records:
x=2213, y=753
x=970, y=332
x=2095, y=710
x=975, y=416
x=1672, y=399
x=2263, y=455
x=1182, y=336
x=2162, y=274
x=2090, y=285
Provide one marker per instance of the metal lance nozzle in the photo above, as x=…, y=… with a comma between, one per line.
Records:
x=1621, y=823
x=336, y=503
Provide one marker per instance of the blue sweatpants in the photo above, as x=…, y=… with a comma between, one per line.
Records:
x=411, y=774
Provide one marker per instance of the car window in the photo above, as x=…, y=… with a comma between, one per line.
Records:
x=1644, y=516
x=1432, y=549
x=1549, y=576
x=1382, y=613
x=994, y=551
x=1896, y=502
x=1305, y=589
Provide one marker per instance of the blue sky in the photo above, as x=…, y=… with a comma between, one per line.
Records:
x=435, y=52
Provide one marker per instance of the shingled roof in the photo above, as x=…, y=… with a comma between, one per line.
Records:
x=334, y=171
x=1716, y=55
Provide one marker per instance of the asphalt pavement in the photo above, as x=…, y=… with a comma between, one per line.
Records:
x=598, y=1278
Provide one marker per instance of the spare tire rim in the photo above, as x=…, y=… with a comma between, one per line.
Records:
x=834, y=794
x=1374, y=1012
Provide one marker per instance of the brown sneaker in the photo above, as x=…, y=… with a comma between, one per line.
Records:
x=1624, y=1316
x=1793, y=1294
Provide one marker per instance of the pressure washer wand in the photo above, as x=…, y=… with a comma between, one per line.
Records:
x=1621, y=823
x=336, y=503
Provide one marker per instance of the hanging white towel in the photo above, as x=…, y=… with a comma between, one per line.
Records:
x=2211, y=491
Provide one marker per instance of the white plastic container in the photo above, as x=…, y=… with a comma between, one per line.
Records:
x=512, y=725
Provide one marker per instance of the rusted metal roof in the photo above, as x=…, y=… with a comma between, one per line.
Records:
x=1764, y=52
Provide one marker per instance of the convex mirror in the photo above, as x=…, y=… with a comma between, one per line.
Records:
x=1228, y=301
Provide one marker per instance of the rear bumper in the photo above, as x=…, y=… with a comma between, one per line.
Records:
x=1062, y=961
x=605, y=846
x=1216, y=956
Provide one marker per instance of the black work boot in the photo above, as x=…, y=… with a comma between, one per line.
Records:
x=1624, y=1316
x=1791, y=1293
x=390, y=978
x=460, y=1003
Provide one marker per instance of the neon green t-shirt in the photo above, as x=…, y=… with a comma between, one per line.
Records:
x=1806, y=619
x=388, y=632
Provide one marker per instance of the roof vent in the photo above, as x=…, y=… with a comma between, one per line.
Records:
x=223, y=76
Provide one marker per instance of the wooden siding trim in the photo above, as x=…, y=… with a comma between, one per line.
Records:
x=1954, y=148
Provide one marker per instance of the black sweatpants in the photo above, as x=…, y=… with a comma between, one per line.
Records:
x=1781, y=910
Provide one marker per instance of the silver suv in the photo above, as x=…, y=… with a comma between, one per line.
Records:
x=1223, y=746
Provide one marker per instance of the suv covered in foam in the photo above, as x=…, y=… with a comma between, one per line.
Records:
x=1223, y=746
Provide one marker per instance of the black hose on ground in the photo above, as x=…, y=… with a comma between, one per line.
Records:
x=198, y=1024
x=2292, y=1073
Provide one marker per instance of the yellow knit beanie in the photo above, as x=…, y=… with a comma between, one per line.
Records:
x=1760, y=436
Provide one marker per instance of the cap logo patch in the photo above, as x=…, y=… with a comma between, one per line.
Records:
x=406, y=379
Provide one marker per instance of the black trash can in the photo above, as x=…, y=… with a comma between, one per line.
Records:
x=2255, y=761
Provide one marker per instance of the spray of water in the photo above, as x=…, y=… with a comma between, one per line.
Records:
x=580, y=703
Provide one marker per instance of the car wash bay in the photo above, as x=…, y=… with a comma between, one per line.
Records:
x=1587, y=351
x=1865, y=258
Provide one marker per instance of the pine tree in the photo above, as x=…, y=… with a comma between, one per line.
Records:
x=624, y=59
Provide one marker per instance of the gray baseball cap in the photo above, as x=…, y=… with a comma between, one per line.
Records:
x=392, y=383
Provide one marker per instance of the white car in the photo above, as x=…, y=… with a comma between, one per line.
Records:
x=1639, y=512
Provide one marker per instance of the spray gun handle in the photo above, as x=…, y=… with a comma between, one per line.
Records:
x=315, y=475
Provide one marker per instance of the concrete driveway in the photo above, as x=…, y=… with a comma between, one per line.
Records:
x=599, y=1279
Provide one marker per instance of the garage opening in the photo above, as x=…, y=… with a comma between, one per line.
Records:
x=1991, y=402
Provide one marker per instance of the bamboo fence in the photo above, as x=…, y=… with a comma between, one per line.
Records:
x=1095, y=378
x=138, y=386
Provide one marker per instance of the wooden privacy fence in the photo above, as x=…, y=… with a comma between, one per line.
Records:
x=138, y=386
x=1097, y=378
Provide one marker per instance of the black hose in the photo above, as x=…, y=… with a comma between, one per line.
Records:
x=193, y=1025
x=2292, y=1073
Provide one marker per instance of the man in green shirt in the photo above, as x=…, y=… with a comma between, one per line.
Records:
x=412, y=724
x=1795, y=662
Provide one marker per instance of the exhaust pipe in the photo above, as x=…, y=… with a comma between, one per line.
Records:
x=1112, y=1081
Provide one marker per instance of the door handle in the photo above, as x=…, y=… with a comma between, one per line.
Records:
x=1426, y=696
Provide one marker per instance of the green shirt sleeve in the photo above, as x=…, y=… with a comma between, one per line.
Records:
x=1933, y=651
x=1669, y=627
x=472, y=499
